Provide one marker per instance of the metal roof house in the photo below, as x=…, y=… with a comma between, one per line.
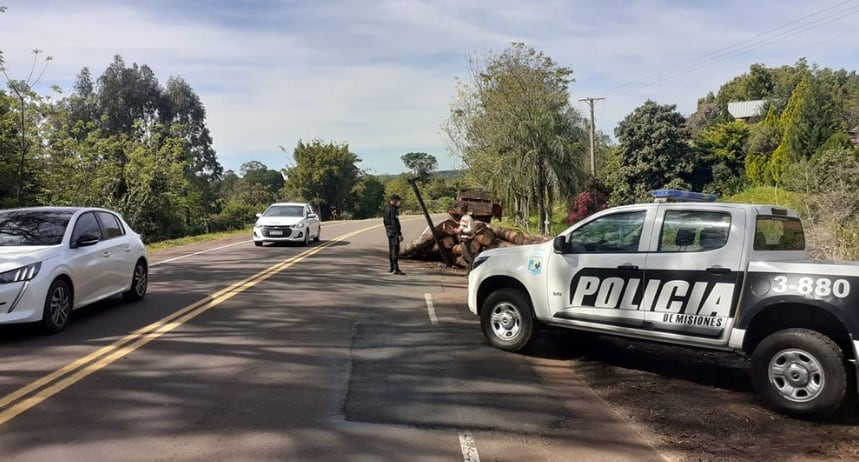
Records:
x=744, y=110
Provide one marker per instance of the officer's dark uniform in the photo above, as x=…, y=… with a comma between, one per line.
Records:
x=392, y=229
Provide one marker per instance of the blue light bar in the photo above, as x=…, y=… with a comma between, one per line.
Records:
x=677, y=195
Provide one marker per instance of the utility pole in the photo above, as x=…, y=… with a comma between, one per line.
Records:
x=593, y=130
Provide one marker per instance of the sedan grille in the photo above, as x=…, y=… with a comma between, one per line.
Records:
x=276, y=231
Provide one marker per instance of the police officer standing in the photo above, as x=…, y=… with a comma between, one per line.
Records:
x=392, y=229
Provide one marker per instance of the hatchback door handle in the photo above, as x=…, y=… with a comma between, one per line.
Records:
x=718, y=270
x=106, y=254
x=628, y=266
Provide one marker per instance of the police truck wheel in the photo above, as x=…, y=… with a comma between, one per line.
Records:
x=507, y=320
x=800, y=372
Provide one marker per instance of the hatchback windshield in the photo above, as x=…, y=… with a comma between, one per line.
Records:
x=33, y=227
x=285, y=211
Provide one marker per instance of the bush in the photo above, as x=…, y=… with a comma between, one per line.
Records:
x=585, y=204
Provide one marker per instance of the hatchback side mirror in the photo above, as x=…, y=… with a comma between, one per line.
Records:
x=312, y=215
x=259, y=215
x=86, y=240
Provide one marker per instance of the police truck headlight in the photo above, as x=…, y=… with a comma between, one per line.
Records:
x=22, y=274
x=479, y=261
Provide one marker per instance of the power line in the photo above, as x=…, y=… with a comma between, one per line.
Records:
x=744, y=46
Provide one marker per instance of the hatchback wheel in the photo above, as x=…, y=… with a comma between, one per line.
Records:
x=58, y=307
x=139, y=283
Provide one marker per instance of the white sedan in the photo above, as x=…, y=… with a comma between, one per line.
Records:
x=287, y=222
x=54, y=260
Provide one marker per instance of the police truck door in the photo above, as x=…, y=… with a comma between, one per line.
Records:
x=593, y=280
x=693, y=276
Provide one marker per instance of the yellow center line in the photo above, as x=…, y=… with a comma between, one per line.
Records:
x=23, y=399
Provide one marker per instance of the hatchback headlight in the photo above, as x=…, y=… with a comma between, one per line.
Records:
x=22, y=274
x=298, y=225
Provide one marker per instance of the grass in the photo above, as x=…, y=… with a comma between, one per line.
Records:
x=172, y=243
x=769, y=195
x=559, y=223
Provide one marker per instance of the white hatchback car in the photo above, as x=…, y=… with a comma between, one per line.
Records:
x=287, y=222
x=54, y=260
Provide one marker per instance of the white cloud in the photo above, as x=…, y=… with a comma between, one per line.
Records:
x=379, y=74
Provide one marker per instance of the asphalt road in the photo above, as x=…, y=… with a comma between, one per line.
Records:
x=242, y=353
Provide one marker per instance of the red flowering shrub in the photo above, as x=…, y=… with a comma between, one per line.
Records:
x=586, y=203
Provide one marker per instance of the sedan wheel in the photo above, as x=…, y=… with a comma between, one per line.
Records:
x=58, y=307
x=139, y=283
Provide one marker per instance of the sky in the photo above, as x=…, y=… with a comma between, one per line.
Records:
x=380, y=75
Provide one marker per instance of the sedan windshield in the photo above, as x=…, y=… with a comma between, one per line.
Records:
x=33, y=227
x=285, y=211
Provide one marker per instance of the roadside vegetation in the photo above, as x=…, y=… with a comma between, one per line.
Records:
x=125, y=141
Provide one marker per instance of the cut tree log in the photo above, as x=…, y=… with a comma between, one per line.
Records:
x=508, y=235
x=486, y=237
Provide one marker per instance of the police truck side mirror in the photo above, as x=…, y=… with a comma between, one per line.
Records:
x=560, y=244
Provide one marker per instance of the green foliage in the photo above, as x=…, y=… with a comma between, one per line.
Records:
x=371, y=197
x=654, y=152
x=808, y=121
x=721, y=161
x=515, y=130
x=421, y=164
x=257, y=173
x=324, y=174
x=830, y=183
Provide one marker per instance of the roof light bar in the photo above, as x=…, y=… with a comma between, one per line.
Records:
x=666, y=195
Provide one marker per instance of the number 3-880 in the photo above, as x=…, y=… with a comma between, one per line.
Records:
x=821, y=287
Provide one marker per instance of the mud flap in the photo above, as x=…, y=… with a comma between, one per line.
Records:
x=855, y=360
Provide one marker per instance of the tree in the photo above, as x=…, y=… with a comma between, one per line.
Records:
x=371, y=196
x=324, y=174
x=721, y=158
x=654, y=152
x=23, y=91
x=514, y=128
x=421, y=164
x=807, y=122
x=255, y=172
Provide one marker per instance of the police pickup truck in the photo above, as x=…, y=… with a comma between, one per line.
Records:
x=701, y=274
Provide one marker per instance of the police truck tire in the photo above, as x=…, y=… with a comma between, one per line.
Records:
x=507, y=319
x=800, y=372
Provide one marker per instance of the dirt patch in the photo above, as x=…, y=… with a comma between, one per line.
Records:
x=697, y=405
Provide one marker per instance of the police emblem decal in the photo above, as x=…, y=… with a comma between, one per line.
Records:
x=535, y=264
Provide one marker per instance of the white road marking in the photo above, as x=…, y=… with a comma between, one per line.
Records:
x=469, y=449
x=197, y=253
x=169, y=260
x=431, y=309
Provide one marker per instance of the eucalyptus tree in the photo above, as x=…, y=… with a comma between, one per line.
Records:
x=514, y=128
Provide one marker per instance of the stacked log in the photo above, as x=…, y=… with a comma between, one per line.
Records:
x=485, y=237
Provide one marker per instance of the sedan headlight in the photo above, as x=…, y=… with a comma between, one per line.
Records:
x=299, y=225
x=22, y=274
